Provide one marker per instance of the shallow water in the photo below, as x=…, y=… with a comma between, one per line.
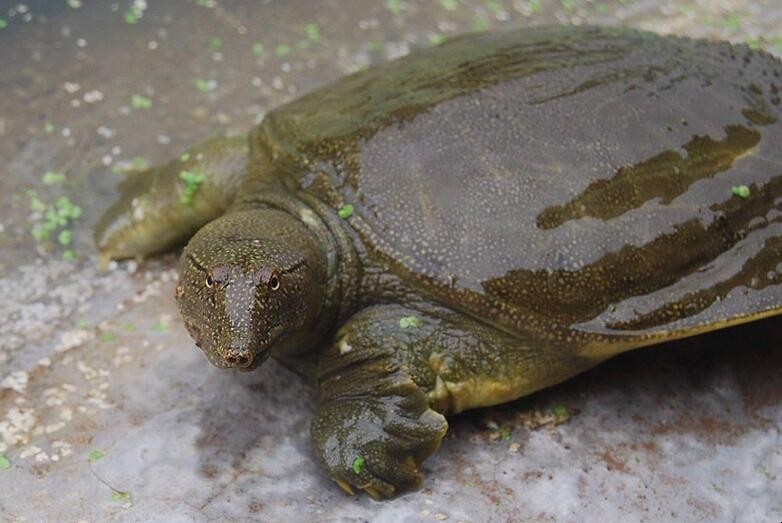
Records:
x=94, y=360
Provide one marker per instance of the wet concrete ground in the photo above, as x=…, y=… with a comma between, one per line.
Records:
x=107, y=411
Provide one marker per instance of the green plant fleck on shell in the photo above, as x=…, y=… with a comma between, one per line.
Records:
x=410, y=322
x=95, y=455
x=345, y=212
x=5, y=463
x=742, y=191
x=358, y=464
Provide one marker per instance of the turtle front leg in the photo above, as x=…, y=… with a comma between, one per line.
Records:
x=373, y=427
x=163, y=206
x=393, y=371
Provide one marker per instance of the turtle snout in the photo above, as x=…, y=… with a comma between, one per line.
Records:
x=239, y=358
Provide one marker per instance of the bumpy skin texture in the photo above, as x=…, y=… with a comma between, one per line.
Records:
x=524, y=205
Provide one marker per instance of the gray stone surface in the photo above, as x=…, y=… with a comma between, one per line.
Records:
x=108, y=412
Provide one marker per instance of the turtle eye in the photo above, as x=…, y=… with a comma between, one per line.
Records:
x=274, y=283
x=210, y=281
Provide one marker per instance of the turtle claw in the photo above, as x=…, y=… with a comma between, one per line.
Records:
x=345, y=486
x=374, y=493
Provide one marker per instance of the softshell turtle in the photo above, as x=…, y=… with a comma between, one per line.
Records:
x=472, y=223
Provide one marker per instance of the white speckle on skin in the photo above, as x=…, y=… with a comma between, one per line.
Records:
x=138, y=210
x=344, y=346
x=308, y=217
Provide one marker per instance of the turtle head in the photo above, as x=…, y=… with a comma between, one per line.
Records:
x=251, y=282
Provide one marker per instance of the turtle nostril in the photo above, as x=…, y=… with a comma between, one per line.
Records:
x=240, y=360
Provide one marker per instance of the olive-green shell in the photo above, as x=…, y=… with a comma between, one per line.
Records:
x=571, y=183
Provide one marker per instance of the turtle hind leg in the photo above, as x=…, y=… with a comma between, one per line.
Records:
x=163, y=206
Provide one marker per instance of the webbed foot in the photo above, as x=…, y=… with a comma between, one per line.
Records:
x=374, y=426
x=377, y=444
